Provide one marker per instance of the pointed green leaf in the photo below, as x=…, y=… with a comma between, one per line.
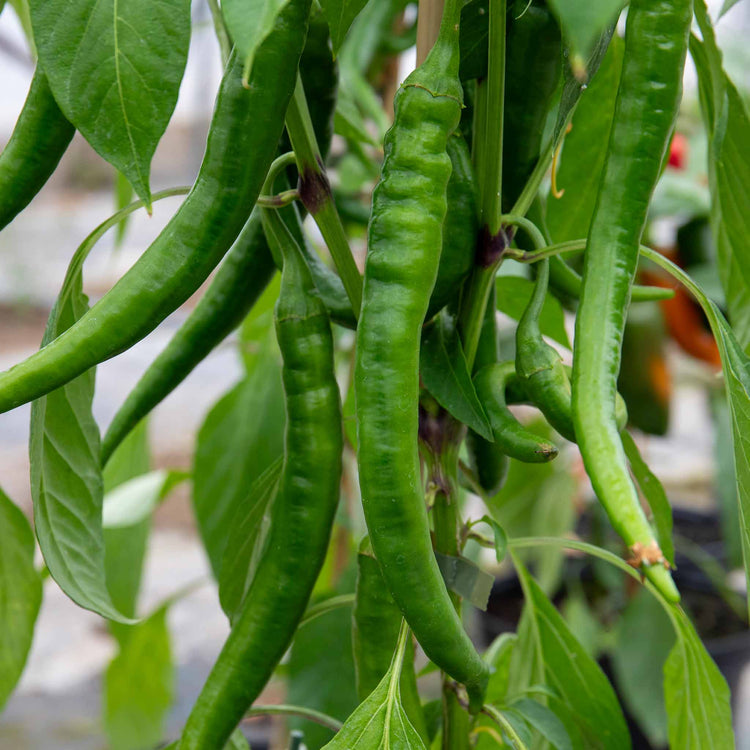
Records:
x=697, y=696
x=380, y=720
x=139, y=685
x=66, y=478
x=728, y=124
x=572, y=672
x=240, y=438
x=583, y=23
x=584, y=151
x=340, y=14
x=544, y=721
x=249, y=23
x=446, y=375
x=115, y=69
x=638, y=663
x=654, y=493
x=20, y=594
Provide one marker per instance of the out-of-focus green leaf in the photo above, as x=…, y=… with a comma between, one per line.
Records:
x=727, y=120
x=638, y=663
x=249, y=23
x=582, y=24
x=340, y=15
x=699, y=715
x=240, y=438
x=654, y=493
x=139, y=685
x=115, y=70
x=572, y=672
x=584, y=151
x=446, y=375
x=513, y=295
x=20, y=594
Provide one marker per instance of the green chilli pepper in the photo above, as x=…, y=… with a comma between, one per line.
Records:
x=539, y=365
x=510, y=435
x=488, y=460
x=376, y=621
x=198, y=236
x=302, y=513
x=648, y=97
x=40, y=138
x=405, y=238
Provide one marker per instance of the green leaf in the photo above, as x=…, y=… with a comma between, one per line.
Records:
x=654, y=493
x=66, y=478
x=466, y=578
x=499, y=535
x=513, y=295
x=380, y=720
x=572, y=672
x=498, y=656
x=728, y=123
x=638, y=663
x=20, y=594
x=574, y=85
x=582, y=24
x=545, y=721
x=135, y=500
x=240, y=438
x=249, y=22
x=736, y=367
x=256, y=332
x=245, y=544
x=584, y=151
x=697, y=696
x=473, y=39
x=115, y=70
x=340, y=15
x=446, y=375
x=125, y=547
x=728, y=5
x=321, y=670
x=139, y=685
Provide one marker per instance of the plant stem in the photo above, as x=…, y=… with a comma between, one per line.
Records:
x=488, y=161
x=306, y=713
x=225, y=44
x=315, y=193
x=428, y=24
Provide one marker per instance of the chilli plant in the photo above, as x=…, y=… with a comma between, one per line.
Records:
x=513, y=168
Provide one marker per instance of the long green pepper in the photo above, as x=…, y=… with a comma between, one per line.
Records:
x=244, y=134
x=405, y=238
x=40, y=138
x=302, y=513
x=648, y=97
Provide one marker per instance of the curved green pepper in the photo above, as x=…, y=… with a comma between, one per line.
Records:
x=41, y=136
x=648, y=97
x=405, y=238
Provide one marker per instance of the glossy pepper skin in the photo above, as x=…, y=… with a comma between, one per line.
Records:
x=405, y=237
x=376, y=621
x=510, y=435
x=40, y=138
x=301, y=515
x=538, y=364
x=647, y=101
x=242, y=140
